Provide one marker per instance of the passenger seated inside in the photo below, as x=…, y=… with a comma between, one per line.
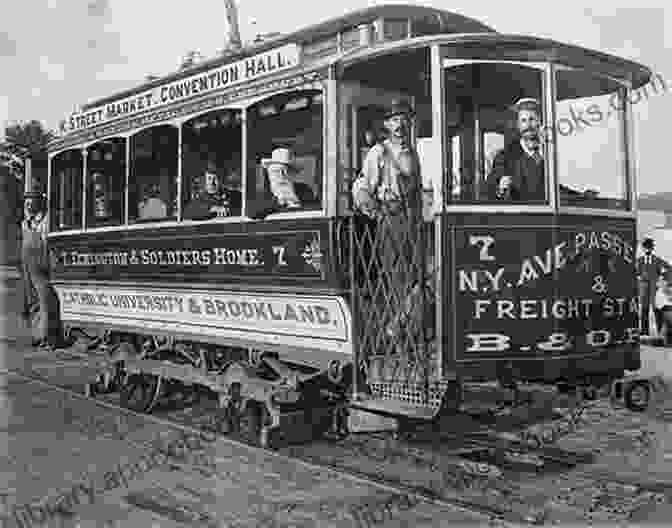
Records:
x=212, y=200
x=518, y=170
x=152, y=206
x=279, y=167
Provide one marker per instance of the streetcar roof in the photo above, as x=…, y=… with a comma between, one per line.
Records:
x=452, y=30
x=515, y=47
x=449, y=23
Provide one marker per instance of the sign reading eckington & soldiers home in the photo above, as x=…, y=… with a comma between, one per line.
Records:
x=295, y=254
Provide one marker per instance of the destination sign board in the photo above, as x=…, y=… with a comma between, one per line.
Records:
x=203, y=83
x=295, y=254
x=524, y=292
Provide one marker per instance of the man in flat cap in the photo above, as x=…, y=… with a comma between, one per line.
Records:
x=518, y=170
x=650, y=268
x=388, y=191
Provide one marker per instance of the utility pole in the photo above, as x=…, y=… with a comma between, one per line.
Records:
x=232, y=18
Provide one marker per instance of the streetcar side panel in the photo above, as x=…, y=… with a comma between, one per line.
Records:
x=542, y=298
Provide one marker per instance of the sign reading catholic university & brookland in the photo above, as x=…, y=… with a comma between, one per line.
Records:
x=238, y=72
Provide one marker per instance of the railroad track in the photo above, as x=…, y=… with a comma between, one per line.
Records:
x=478, y=471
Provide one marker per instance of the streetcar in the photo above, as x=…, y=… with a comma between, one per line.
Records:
x=285, y=311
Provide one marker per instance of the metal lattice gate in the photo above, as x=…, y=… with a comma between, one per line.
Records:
x=393, y=300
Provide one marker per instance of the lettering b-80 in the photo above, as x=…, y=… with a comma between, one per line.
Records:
x=556, y=342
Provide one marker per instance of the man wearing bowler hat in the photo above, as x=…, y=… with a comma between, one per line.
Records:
x=650, y=268
x=518, y=170
x=40, y=302
x=388, y=191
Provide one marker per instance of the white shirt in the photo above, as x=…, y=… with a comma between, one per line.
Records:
x=529, y=151
x=662, y=298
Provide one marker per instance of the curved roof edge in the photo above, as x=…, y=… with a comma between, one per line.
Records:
x=638, y=73
x=450, y=23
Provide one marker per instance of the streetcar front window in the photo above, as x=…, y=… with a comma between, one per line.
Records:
x=211, y=166
x=495, y=133
x=284, y=152
x=590, y=132
x=153, y=175
x=66, y=191
x=106, y=175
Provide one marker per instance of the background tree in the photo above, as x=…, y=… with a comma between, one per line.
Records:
x=26, y=139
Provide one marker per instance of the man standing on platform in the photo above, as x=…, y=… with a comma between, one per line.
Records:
x=388, y=191
x=649, y=268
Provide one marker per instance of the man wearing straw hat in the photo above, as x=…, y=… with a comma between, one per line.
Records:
x=40, y=302
x=518, y=170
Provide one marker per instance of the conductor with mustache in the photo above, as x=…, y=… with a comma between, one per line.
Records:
x=518, y=170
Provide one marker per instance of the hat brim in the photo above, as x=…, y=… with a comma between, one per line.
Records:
x=408, y=112
x=526, y=106
x=268, y=162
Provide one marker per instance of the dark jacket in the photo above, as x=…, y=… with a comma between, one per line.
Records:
x=199, y=208
x=651, y=272
x=528, y=180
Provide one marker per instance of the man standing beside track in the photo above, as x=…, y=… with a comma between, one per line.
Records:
x=45, y=320
x=649, y=268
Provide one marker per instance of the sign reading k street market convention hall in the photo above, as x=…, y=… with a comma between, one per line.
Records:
x=231, y=74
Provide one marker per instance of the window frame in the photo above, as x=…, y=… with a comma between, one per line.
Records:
x=86, y=181
x=243, y=131
x=316, y=212
x=545, y=69
x=129, y=174
x=178, y=221
x=626, y=144
x=51, y=211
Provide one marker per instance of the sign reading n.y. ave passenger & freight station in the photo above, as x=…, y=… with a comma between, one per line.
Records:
x=577, y=286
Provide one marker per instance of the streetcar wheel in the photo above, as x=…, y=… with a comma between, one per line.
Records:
x=638, y=396
x=250, y=424
x=140, y=392
x=590, y=393
x=103, y=384
x=119, y=378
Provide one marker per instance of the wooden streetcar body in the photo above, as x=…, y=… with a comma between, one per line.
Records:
x=515, y=293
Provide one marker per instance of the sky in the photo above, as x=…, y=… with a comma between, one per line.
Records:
x=58, y=54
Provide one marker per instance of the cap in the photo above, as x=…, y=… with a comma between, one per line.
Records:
x=526, y=103
x=399, y=107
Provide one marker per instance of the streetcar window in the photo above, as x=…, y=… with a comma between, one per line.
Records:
x=287, y=127
x=590, y=140
x=395, y=29
x=153, y=175
x=106, y=175
x=66, y=190
x=495, y=135
x=211, y=166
